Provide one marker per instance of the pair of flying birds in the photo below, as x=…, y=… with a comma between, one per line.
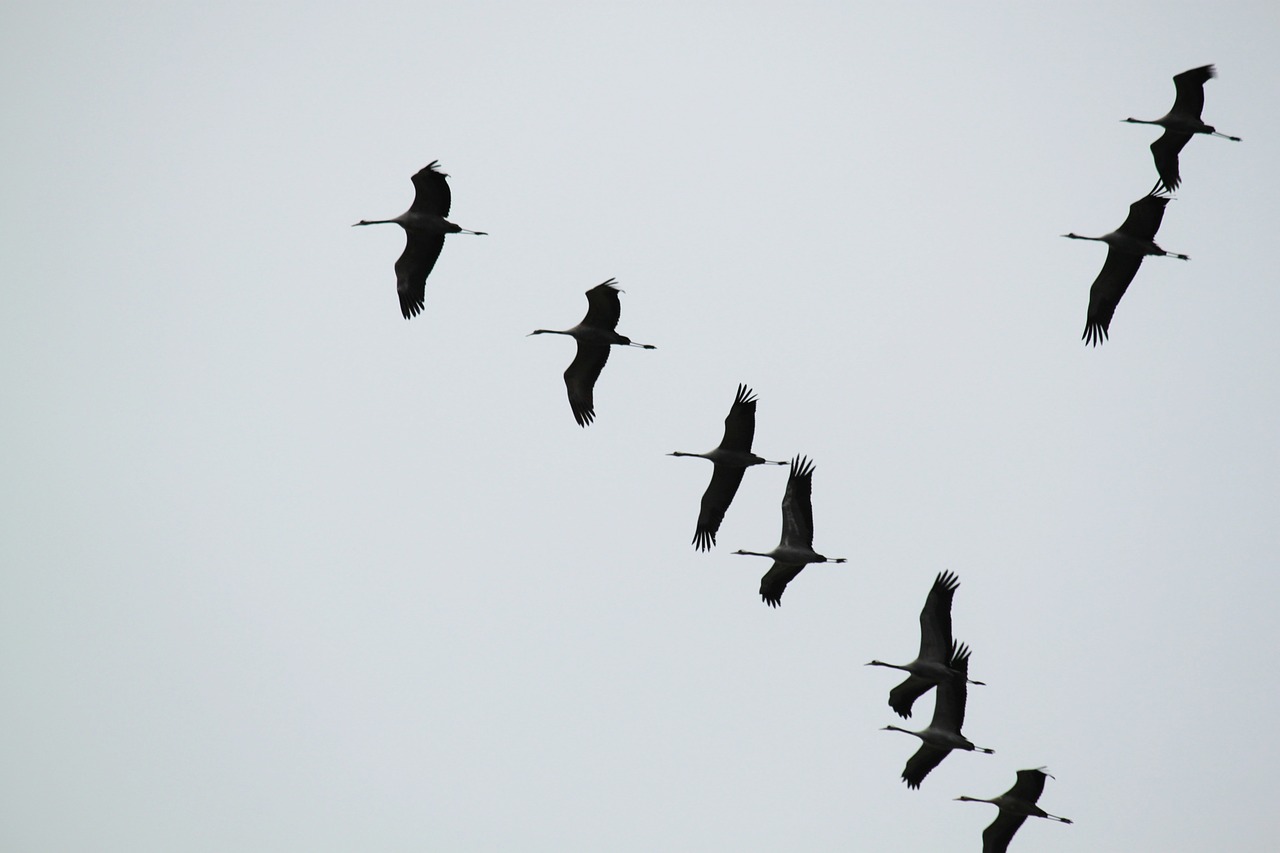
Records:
x=1135, y=238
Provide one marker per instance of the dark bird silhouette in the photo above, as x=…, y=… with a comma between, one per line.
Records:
x=943, y=733
x=594, y=335
x=1016, y=805
x=1126, y=247
x=795, y=551
x=936, y=647
x=424, y=227
x=1180, y=124
x=732, y=458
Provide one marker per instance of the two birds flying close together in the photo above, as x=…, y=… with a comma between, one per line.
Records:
x=1135, y=238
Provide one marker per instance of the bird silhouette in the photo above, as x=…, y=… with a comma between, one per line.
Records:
x=1016, y=805
x=795, y=551
x=1126, y=247
x=1180, y=124
x=424, y=227
x=936, y=647
x=595, y=334
x=731, y=459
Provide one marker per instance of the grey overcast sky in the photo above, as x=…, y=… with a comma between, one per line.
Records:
x=284, y=572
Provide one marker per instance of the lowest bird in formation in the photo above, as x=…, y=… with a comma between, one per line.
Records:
x=943, y=734
x=424, y=227
x=732, y=458
x=937, y=648
x=1016, y=805
x=595, y=334
x=1181, y=123
x=1126, y=247
x=795, y=551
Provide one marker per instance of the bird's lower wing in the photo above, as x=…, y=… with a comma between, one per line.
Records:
x=580, y=380
x=1165, y=151
x=413, y=267
x=996, y=837
x=715, y=501
x=1104, y=295
x=919, y=765
x=775, y=581
x=902, y=697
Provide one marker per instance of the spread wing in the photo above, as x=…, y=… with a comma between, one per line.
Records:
x=1165, y=152
x=580, y=380
x=775, y=581
x=413, y=267
x=1117, y=272
x=919, y=765
x=603, y=306
x=797, y=504
x=904, y=696
x=996, y=837
x=740, y=423
x=715, y=501
x=431, y=191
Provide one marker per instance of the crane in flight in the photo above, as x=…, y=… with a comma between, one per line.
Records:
x=595, y=334
x=795, y=551
x=936, y=647
x=1181, y=123
x=1016, y=805
x=424, y=227
x=1126, y=247
x=731, y=459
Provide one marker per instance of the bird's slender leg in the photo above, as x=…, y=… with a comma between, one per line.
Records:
x=642, y=346
x=1225, y=136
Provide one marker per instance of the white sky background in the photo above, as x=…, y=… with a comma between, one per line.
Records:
x=283, y=571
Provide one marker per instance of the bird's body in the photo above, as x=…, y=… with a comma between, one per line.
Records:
x=595, y=334
x=731, y=459
x=1016, y=805
x=936, y=647
x=795, y=551
x=425, y=227
x=1181, y=123
x=1126, y=247
x=943, y=734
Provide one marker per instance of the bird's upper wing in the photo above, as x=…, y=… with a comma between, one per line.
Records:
x=1190, y=86
x=603, y=306
x=996, y=837
x=1029, y=787
x=918, y=766
x=1145, y=216
x=580, y=380
x=413, y=267
x=953, y=692
x=431, y=191
x=935, y=618
x=902, y=697
x=1165, y=152
x=715, y=500
x=797, y=504
x=1111, y=283
x=740, y=423
x=775, y=581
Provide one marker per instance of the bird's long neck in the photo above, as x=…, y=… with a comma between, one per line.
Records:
x=890, y=665
x=548, y=332
x=682, y=453
x=377, y=222
x=1139, y=121
x=753, y=554
x=964, y=799
x=897, y=729
x=1082, y=237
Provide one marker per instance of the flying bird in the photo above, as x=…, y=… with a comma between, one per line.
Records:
x=1126, y=247
x=936, y=647
x=731, y=459
x=594, y=335
x=795, y=551
x=943, y=734
x=1181, y=123
x=424, y=227
x=1016, y=805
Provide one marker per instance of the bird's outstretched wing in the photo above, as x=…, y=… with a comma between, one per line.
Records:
x=1145, y=216
x=603, y=306
x=580, y=380
x=797, y=504
x=740, y=423
x=412, y=268
x=715, y=501
x=1117, y=272
x=775, y=581
x=1190, y=87
x=904, y=696
x=996, y=837
x=431, y=191
x=935, y=618
x=919, y=765
x=1165, y=152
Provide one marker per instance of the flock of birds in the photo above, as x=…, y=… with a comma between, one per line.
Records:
x=1136, y=236
x=942, y=663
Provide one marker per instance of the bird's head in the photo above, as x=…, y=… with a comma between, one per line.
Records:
x=1132, y=121
x=963, y=799
x=1073, y=236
